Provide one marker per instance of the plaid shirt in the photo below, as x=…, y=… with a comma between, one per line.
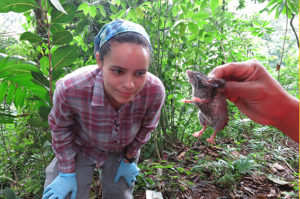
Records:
x=82, y=120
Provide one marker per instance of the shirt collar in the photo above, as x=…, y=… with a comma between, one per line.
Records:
x=98, y=91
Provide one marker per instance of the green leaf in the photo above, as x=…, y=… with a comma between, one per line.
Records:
x=102, y=11
x=18, y=6
x=193, y=27
x=59, y=17
x=83, y=6
x=44, y=65
x=93, y=11
x=139, y=12
x=213, y=4
x=113, y=8
x=44, y=112
x=17, y=96
x=58, y=6
x=62, y=37
x=10, y=94
x=40, y=79
x=64, y=56
x=32, y=37
x=38, y=123
x=3, y=89
x=54, y=28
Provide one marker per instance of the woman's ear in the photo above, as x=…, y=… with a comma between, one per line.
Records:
x=99, y=62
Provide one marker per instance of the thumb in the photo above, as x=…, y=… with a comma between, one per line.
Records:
x=74, y=193
x=235, y=90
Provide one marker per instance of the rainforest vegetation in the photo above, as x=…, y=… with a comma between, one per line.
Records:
x=248, y=161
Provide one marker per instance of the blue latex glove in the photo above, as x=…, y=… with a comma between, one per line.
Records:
x=128, y=171
x=61, y=186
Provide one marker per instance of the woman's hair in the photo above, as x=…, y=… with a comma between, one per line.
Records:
x=129, y=37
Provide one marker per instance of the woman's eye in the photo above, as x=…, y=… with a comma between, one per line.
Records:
x=140, y=73
x=117, y=71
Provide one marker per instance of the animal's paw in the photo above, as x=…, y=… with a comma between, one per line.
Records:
x=197, y=134
x=211, y=141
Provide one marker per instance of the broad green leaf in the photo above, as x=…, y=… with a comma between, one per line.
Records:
x=62, y=37
x=113, y=8
x=54, y=28
x=10, y=94
x=184, y=9
x=32, y=37
x=174, y=11
x=44, y=65
x=17, y=96
x=22, y=98
x=57, y=73
x=59, y=17
x=93, y=11
x=139, y=12
x=64, y=56
x=58, y=6
x=44, y=112
x=18, y=6
x=40, y=79
x=38, y=123
x=3, y=89
x=213, y=4
x=83, y=6
x=193, y=27
x=102, y=11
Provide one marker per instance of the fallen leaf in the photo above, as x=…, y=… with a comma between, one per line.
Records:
x=276, y=180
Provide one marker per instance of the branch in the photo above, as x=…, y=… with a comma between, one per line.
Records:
x=296, y=35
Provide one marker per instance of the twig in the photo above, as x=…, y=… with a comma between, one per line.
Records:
x=293, y=28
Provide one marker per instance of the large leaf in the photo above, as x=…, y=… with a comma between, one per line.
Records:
x=3, y=89
x=17, y=5
x=10, y=94
x=58, y=6
x=64, y=56
x=32, y=37
x=62, y=37
x=55, y=27
x=59, y=17
x=44, y=112
x=40, y=79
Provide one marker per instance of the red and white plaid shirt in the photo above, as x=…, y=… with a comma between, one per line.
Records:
x=82, y=120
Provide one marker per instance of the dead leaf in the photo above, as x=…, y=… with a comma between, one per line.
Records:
x=272, y=193
x=277, y=167
x=276, y=180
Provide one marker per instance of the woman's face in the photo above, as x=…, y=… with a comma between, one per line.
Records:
x=124, y=71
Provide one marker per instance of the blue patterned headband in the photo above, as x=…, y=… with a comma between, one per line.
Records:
x=116, y=27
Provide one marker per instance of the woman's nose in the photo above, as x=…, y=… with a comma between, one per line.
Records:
x=129, y=83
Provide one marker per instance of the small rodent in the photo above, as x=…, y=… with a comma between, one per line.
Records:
x=209, y=98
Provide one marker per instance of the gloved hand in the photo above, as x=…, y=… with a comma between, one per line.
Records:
x=127, y=170
x=61, y=186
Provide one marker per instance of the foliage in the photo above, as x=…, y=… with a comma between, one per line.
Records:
x=184, y=34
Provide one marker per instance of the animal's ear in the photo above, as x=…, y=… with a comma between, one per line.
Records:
x=216, y=82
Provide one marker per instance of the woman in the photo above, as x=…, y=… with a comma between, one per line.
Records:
x=102, y=115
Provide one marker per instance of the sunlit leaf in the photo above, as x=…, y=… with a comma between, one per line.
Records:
x=58, y=6
x=17, y=5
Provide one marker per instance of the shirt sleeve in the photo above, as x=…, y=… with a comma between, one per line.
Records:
x=60, y=121
x=149, y=123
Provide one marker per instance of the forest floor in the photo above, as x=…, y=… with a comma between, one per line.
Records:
x=214, y=172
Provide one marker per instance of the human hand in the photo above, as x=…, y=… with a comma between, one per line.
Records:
x=61, y=186
x=127, y=170
x=259, y=96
